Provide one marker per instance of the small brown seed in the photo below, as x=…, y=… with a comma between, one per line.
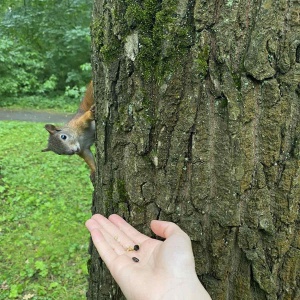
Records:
x=136, y=247
x=135, y=259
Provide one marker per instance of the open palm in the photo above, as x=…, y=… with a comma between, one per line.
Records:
x=156, y=269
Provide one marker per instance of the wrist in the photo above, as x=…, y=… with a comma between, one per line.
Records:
x=190, y=288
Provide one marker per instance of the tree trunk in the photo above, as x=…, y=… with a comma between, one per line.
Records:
x=198, y=123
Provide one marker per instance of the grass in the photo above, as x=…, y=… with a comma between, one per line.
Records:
x=44, y=202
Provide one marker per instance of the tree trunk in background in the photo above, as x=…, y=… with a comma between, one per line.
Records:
x=198, y=123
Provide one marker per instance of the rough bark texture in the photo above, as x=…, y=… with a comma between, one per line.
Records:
x=198, y=123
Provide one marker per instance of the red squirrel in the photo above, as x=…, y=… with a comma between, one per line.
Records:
x=78, y=135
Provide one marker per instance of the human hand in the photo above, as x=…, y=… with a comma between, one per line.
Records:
x=165, y=270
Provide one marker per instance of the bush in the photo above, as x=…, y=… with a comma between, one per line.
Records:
x=44, y=46
x=20, y=68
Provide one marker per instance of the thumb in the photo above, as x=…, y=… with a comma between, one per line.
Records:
x=177, y=246
x=166, y=229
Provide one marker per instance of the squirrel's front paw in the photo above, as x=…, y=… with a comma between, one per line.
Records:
x=93, y=109
x=92, y=112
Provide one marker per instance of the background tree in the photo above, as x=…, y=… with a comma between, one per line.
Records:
x=198, y=123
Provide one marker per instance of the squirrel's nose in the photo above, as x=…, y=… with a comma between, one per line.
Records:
x=77, y=149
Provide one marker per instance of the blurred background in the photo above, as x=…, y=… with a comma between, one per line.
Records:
x=44, y=49
x=45, y=198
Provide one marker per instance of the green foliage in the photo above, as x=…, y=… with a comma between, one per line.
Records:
x=43, y=45
x=68, y=102
x=45, y=200
x=20, y=68
x=58, y=103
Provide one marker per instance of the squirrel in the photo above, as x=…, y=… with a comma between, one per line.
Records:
x=78, y=135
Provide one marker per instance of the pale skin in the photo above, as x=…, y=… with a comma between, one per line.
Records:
x=165, y=270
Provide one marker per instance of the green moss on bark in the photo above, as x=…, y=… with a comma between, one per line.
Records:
x=162, y=39
x=202, y=61
x=105, y=41
x=97, y=33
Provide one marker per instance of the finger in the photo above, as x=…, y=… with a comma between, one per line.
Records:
x=96, y=222
x=114, y=231
x=104, y=248
x=166, y=229
x=131, y=232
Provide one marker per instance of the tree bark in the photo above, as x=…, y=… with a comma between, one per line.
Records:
x=198, y=123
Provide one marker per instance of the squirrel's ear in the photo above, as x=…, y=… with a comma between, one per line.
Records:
x=51, y=128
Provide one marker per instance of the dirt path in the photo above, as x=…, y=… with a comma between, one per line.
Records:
x=33, y=116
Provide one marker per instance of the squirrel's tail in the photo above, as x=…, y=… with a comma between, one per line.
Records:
x=88, y=99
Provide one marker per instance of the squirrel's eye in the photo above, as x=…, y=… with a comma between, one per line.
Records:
x=63, y=137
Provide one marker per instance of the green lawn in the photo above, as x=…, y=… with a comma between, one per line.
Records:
x=44, y=201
